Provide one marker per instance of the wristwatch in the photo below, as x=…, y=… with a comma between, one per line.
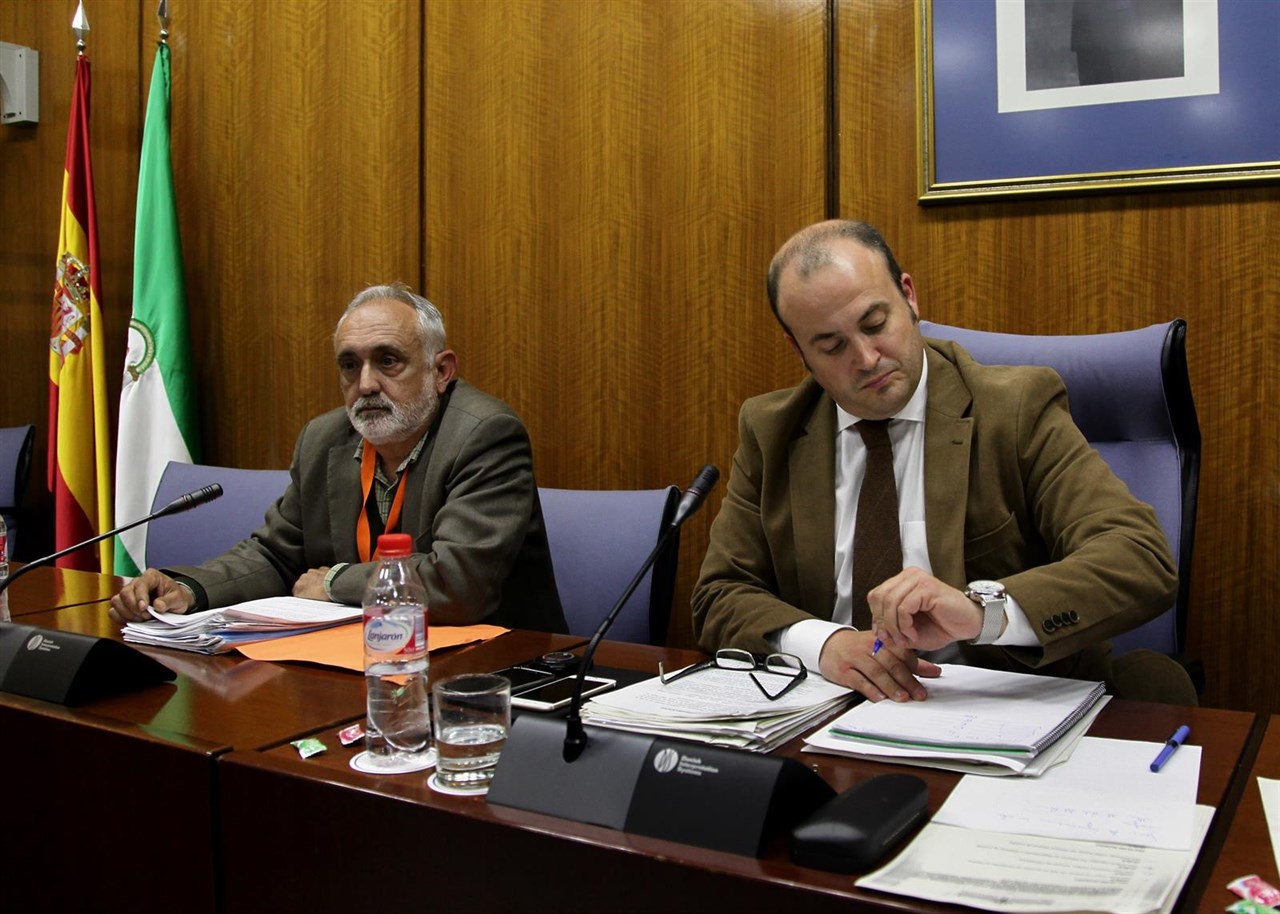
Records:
x=989, y=595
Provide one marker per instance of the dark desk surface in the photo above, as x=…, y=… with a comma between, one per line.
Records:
x=117, y=807
x=49, y=588
x=269, y=798
x=1247, y=848
x=200, y=770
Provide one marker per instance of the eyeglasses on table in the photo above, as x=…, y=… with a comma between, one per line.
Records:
x=733, y=658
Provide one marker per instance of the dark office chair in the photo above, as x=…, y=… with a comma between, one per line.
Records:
x=15, y=465
x=1130, y=394
x=598, y=541
x=211, y=529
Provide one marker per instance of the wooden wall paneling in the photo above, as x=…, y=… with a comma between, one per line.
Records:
x=31, y=170
x=296, y=157
x=605, y=184
x=1090, y=264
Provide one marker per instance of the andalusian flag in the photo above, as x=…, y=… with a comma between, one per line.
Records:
x=79, y=445
x=157, y=402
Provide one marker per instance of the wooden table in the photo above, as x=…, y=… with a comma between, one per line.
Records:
x=333, y=834
x=1247, y=848
x=50, y=588
x=187, y=796
x=110, y=804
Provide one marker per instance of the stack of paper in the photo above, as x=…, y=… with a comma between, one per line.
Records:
x=974, y=720
x=721, y=707
x=1098, y=833
x=215, y=631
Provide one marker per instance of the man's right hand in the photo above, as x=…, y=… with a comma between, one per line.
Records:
x=151, y=588
x=891, y=673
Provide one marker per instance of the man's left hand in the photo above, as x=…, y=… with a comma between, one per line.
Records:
x=311, y=585
x=915, y=610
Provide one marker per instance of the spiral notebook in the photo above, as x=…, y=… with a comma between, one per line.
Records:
x=973, y=710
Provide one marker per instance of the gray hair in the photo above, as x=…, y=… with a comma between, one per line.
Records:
x=429, y=320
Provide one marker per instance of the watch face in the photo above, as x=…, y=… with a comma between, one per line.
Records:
x=985, y=588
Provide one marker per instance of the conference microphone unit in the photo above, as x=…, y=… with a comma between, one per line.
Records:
x=725, y=799
x=69, y=668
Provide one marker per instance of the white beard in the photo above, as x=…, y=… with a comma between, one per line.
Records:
x=398, y=422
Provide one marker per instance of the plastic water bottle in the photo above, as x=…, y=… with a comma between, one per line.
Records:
x=4, y=569
x=395, y=657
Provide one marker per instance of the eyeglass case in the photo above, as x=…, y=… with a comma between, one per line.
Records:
x=852, y=831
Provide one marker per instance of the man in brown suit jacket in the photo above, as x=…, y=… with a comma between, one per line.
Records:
x=997, y=484
x=415, y=449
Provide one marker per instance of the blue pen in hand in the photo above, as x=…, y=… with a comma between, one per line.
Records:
x=1179, y=737
x=875, y=647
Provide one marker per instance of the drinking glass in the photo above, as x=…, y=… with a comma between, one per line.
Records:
x=473, y=715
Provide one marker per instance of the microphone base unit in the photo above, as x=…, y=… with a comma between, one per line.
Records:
x=69, y=668
x=708, y=796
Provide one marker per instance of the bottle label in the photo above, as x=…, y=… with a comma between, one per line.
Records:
x=391, y=635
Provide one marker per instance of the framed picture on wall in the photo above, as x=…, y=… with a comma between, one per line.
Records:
x=1018, y=97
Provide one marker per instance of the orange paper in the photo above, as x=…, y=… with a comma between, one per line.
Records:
x=343, y=647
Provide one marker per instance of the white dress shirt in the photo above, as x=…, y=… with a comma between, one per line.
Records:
x=906, y=431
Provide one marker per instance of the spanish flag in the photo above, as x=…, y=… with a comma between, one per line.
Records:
x=79, y=437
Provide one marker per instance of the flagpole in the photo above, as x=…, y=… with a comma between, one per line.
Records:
x=158, y=420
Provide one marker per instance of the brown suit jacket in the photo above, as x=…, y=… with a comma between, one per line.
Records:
x=1013, y=492
x=471, y=505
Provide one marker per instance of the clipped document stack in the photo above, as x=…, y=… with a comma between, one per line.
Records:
x=975, y=721
x=216, y=631
x=717, y=706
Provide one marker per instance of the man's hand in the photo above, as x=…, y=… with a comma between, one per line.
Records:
x=915, y=611
x=149, y=588
x=846, y=659
x=311, y=585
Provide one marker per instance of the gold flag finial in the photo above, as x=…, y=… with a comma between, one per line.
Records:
x=163, y=15
x=80, y=25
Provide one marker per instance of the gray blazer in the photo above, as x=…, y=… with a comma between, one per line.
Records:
x=471, y=505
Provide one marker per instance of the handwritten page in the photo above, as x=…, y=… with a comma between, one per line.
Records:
x=1106, y=792
x=1027, y=873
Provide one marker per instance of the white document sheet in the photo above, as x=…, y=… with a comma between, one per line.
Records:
x=825, y=740
x=1029, y=875
x=1105, y=792
x=714, y=694
x=1270, y=790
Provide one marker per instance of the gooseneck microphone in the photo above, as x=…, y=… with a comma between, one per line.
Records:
x=177, y=506
x=693, y=497
x=575, y=738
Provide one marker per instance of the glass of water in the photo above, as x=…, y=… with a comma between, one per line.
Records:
x=473, y=715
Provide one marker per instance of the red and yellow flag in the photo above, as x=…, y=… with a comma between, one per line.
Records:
x=79, y=445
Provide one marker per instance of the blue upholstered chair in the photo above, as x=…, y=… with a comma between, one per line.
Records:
x=1130, y=394
x=598, y=541
x=15, y=465
x=209, y=530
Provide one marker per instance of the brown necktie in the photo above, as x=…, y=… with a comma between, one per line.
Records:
x=877, y=542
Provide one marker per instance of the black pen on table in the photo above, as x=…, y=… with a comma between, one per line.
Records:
x=1179, y=737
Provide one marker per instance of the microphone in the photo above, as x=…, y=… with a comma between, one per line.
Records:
x=178, y=505
x=711, y=796
x=575, y=738
x=73, y=668
x=184, y=503
x=693, y=496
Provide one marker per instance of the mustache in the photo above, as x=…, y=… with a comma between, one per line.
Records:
x=373, y=401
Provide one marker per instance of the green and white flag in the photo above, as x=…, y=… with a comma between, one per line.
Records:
x=157, y=404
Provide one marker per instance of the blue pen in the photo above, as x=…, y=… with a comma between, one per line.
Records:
x=875, y=647
x=1179, y=737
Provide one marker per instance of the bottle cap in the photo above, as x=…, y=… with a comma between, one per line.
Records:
x=394, y=545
